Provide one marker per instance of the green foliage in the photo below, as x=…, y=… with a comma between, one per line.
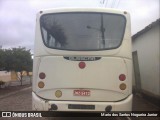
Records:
x=2, y=59
x=15, y=59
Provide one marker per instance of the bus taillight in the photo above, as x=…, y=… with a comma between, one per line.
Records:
x=122, y=86
x=42, y=75
x=122, y=77
x=41, y=84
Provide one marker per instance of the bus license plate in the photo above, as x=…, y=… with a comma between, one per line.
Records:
x=81, y=92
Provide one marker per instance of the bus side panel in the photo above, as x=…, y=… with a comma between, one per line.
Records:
x=129, y=74
x=36, y=64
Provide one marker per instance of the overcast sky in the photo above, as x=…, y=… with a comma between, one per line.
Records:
x=17, y=17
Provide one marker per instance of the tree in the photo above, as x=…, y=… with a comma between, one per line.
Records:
x=2, y=59
x=16, y=59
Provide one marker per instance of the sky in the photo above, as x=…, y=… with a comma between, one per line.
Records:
x=17, y=17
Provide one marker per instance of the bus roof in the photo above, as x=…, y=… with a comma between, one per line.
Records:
x=82, y=9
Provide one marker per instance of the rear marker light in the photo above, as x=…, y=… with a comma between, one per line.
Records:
x=42, y=75
x=82, y=65
x=41, y=84
x=125, y=12
x=122, y=86
x=58, y=93
x=122, y=77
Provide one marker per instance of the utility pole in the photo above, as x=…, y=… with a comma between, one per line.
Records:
x=102, y=31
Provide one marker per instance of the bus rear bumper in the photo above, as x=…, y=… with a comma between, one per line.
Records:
x=45, y=105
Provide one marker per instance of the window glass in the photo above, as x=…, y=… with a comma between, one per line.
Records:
x=82, y=31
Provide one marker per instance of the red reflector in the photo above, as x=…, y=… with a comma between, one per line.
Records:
x=42, y=75
x=122, y=77
x=82, y=65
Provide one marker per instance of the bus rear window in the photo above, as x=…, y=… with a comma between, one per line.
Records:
x=82, y=31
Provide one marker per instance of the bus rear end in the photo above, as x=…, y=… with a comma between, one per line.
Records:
x=82, y=60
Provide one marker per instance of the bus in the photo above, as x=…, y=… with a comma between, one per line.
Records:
x=82, y=60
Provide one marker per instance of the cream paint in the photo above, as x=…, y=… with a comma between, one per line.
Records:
x=100, y=77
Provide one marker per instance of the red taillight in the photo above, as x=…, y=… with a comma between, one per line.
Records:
x=122, y=77
x=42, y=75
x=82, y=65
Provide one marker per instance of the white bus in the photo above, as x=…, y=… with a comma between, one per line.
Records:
x=82, y=60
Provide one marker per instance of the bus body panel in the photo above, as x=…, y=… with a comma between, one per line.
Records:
x=41, y=104
x=100, y=77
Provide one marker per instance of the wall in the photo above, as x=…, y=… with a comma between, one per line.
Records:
x=5, y=76
x=8, y=76
x=148, y=48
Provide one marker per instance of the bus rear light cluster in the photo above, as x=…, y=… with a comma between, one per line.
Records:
x=42, y=75
x=122, y=77
x=41, y=83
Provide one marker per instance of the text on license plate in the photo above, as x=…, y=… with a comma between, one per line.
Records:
x=81, y=92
